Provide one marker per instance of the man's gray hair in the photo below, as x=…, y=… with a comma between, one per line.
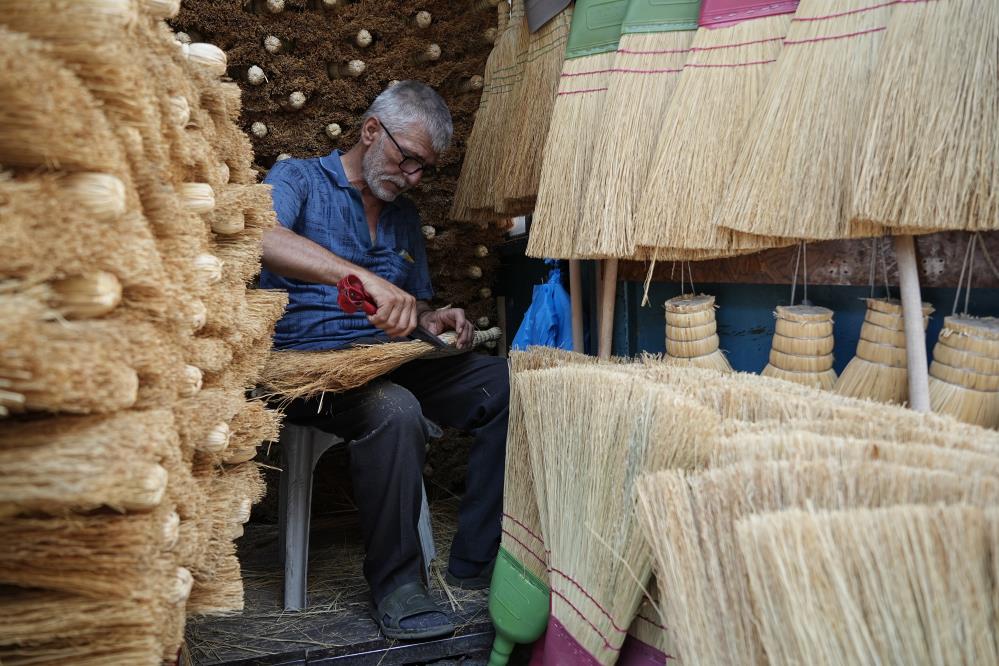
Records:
x=410, y=102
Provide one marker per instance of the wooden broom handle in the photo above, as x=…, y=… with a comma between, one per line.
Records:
x=576, y=296
x=607, y=296
x=912, y=313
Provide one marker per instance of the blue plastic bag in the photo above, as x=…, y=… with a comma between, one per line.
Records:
x=548, y=320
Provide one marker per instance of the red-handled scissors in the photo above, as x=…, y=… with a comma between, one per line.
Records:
x=351, y=296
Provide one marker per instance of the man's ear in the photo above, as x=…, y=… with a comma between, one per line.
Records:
x=369, y=131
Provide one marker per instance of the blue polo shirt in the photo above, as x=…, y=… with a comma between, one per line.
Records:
x=313, y=198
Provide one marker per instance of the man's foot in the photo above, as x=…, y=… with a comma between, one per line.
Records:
x=409, y=613
x=479, y=581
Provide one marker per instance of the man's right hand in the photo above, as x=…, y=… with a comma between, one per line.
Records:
x=396, y=313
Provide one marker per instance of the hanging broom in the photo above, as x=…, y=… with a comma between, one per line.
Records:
x=655, y=42
x=905, y=585
x=575, y=124
x=802, y=346
x=879, y=370
x=787, y=181
x=964, y=374
x=731, y=60
x=922, y=164
x=587, y=419
x=535, y=98
x=690, y=522
x=691, y=333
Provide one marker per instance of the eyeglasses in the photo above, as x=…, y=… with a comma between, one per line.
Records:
x=410, y=165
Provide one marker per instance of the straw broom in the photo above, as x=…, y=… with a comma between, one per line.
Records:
x=535, y=99
x=802, y=346
x=690, y=520
x=908, y=584
x=788, y=178
x=920, y=164
x=727, y=70
x=691, y=337
x=963, y=375
x=655, y=42
x=598, y=561
x=473, y=182
x=252, y=425
x=648, y=641
x=575, y=124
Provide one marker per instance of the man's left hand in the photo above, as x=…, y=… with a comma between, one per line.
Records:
x=449, y=319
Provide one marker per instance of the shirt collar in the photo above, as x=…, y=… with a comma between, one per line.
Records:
x=334, y=166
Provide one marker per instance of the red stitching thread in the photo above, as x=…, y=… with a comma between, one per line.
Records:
x=698, y=49
x=526, y=547
x=588, y=596
x=567, y=75
x=652, y=622
x=580, y=92
x=663, y=52
x=738, y=64
x=826, y=39
x=525, y=527
x=805, y=19
x=585, y=619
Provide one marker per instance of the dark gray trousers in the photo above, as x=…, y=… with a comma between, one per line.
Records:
x=386, y=425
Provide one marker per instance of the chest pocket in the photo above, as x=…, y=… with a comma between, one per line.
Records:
x=391, y=265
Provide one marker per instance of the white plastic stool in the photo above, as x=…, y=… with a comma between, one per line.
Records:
x=301, y=448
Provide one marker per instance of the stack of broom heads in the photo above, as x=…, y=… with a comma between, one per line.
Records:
x=781, y=523
x=131, y=228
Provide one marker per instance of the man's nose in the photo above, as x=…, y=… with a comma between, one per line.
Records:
x=414, y=178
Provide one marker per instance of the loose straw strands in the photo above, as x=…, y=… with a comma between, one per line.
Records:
x=589, y=419
x=717, y=93
x=690, y=521
x=788, y=180
x=642, y=81
x=907, y=584
x=535, y=99
x=921, y=164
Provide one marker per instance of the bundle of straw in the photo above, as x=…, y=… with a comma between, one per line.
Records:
x=964, y=374
x=250, y=427
x=921, y=164
x=788, y=179
x=907, y=585
x=879, y=369
x=534, y=98
x=292, y=375
x=690, y=523
x=649, y=641
x=575, y=126
x=731, y=61
x=586, y=419
x=655, y=42
x=802, y=346
x=691, y=333
x=474, y=184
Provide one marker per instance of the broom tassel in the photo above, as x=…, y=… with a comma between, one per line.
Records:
x=912, y=313
x=607, y=295
x=576, y=295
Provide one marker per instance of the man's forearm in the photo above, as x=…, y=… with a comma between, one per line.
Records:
x=293, y=256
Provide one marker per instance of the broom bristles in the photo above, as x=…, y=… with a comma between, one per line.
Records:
x=788, y=178
x=965, y=404
x=723, y=78
x=920, y=164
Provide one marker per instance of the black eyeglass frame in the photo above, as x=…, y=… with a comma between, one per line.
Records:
x=427, y=169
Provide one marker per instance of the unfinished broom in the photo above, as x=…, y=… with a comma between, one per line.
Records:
x=787, y=181
x=920, y=164
x=575, y=125
x=964, y=374
x=691, y=333
x=731, y=60
x=879, y=371
x=690, y=523
x=802, y=346
x=907, y=585
x=587, y=419
x=655, y=42
x=535, y=99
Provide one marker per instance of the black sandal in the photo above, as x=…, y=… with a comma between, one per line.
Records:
x=404, y=602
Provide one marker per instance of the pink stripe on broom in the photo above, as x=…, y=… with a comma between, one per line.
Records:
x=804, y=19
x=526, y=547
x=699, y=49
x=523, y=526
x=588, y=596
x=834, y=37
x=736, y=64
x=581, y=92
x=662, y=52
x=561, y=596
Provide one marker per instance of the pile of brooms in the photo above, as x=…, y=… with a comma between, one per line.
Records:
x=755, y=502
x=131, y=227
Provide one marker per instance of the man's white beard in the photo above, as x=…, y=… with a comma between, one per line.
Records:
x=373, y=165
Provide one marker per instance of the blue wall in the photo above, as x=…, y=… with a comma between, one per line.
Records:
x=746, y=322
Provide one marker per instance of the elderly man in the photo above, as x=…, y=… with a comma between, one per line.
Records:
x=343, y=214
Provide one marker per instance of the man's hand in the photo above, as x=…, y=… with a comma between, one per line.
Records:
x=396, y=313
x=449, y=319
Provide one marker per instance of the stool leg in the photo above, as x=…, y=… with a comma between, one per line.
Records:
x=426, y=532
x=296, y=526
x=283, y=496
